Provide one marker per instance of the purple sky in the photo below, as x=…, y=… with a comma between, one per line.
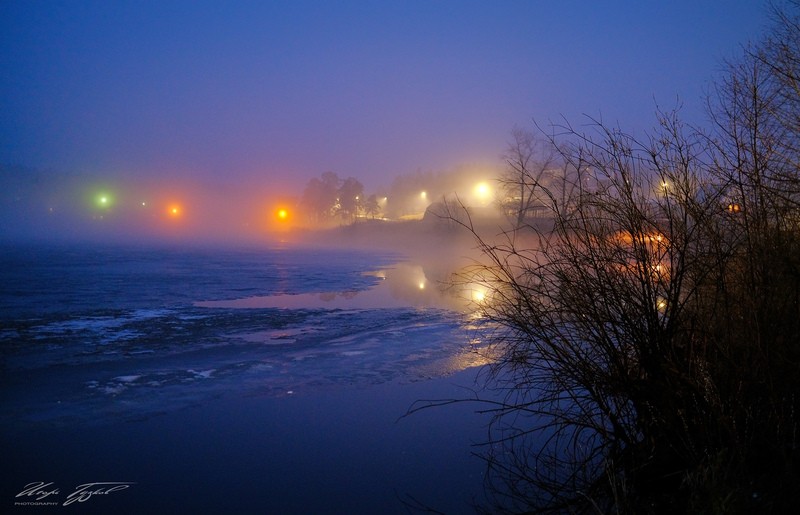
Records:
x=238, y=90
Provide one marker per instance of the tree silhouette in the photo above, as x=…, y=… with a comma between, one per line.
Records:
x=350, y=196
x=320, y=197
x=646, y=348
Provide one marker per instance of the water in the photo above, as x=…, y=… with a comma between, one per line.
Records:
x=306, y=358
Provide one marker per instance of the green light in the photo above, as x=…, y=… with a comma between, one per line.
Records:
x=104, y=200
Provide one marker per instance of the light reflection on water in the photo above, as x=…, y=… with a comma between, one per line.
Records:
x=401, y=286
x=143, y=354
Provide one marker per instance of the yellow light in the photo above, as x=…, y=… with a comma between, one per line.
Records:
x=482, y=193
x=282, y=214
x=421, y=285
x=482, y=190
x=423, y=195
x=174, y=211
x=478, y=295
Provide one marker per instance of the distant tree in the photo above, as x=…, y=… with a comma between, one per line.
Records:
x=350, y=196
x=320, y=197
x=372, y=206
x=536, y=175
x=523, y=182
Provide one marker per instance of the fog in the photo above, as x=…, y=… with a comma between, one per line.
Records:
x=44, y=206
x=79, y=208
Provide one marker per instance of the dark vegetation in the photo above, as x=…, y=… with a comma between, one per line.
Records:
x=647, y=350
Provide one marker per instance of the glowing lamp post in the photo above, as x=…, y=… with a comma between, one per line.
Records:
x=482, y=193
x=174, y=211
x=101, y=204
x=280, y=219
x=104, y=200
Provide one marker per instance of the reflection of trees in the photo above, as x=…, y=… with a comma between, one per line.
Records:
x=648, y=356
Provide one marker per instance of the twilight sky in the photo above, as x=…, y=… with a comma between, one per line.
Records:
x=283, y=91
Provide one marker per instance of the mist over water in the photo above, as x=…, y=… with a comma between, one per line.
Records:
x=37, y=205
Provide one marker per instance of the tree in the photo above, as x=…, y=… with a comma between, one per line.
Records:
x=320, y=197
x=523, y=182
x=780, y=55
x=350, y=196
x=592, y=352
x=372, y=207
x=647, y=348
x=535, y=176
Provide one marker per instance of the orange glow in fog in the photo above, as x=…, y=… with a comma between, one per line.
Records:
x=280, y=218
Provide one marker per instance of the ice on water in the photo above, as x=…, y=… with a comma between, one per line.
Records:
x=187, y=326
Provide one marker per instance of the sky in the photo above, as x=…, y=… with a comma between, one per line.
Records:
x=284, y=91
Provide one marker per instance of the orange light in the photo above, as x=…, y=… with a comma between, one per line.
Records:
x=281, y=217
x=174, y=211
